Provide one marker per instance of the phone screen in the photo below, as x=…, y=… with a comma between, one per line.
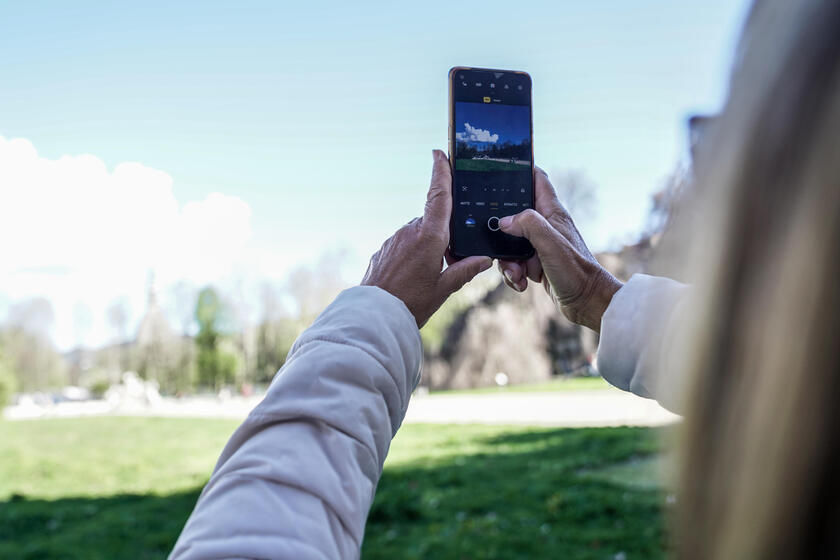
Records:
x=492, y=159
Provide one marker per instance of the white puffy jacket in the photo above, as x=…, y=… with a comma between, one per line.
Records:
x=297, y=478
x=636, y=344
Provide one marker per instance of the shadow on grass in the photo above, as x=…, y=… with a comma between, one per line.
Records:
x=123, y=526
x=528, y=496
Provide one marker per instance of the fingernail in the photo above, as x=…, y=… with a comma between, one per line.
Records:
x=485, y=264
x=437, y=155
x=509, y=277
x=506, y=222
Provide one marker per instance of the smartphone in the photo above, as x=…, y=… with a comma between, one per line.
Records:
x=492, y=158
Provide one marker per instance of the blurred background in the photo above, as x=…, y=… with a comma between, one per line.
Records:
x=184, y=187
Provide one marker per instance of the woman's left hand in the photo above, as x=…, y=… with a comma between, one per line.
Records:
x=410, y=264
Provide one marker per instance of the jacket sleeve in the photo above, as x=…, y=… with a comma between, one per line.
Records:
x=634, y=349
x=297, y=478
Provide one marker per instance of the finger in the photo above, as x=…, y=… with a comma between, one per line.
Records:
x=532, y=226
x=533, y=269
x=439, y=198
x=513, y=274
x=547, y=202
x=461, y=272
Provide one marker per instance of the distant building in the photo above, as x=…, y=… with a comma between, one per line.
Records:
x=154, y=327
x=156, y=341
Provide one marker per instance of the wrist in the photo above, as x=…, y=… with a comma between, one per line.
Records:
x=601, y=300
x=594, y=300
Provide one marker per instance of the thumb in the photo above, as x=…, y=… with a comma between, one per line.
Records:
x=459, y=273
x=532, y=226
x=439, y=199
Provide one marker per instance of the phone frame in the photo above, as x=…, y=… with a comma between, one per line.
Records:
x=452, y=71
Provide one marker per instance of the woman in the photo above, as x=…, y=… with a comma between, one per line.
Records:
x=751, y=355
x=761, y=442
x=297, y=479
x=755, y=339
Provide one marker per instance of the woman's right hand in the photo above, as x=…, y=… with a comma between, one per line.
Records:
x=575, y=280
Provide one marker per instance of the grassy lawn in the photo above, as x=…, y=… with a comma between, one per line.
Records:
x=123, y=487
x=488, y=165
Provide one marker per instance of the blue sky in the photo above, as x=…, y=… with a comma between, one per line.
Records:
x=312, y=124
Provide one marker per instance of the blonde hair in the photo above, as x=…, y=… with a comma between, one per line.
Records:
x=760, y=447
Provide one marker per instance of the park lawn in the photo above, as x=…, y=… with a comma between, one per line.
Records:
x=120, y=487
x=488, y=165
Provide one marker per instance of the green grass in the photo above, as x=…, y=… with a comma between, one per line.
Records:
x=488, y=165
x=559, y=384
x=123, y=487
x=102, y=487
x=639, y=472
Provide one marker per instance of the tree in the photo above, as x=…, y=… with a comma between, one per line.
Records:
x=274, y=334
x=28, y=347
x=157, y=346
x=33, y=315
x=577, y=193
x=179, y=376
x=8, y=383
x=313, y=288
x=82, y=323
x=117, y=314
x=243, y=341
x=184, y=295
x=664, y=201
x=215, y=366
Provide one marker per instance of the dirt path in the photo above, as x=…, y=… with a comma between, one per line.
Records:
x=603, y=407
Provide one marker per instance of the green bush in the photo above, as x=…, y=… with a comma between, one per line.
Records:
x=99, y=387
x=435, y=330
x=8, y=385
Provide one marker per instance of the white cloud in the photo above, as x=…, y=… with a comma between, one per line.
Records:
x=72, y=230
x=473, y=134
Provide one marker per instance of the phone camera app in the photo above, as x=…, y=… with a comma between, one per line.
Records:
x=492, y=137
